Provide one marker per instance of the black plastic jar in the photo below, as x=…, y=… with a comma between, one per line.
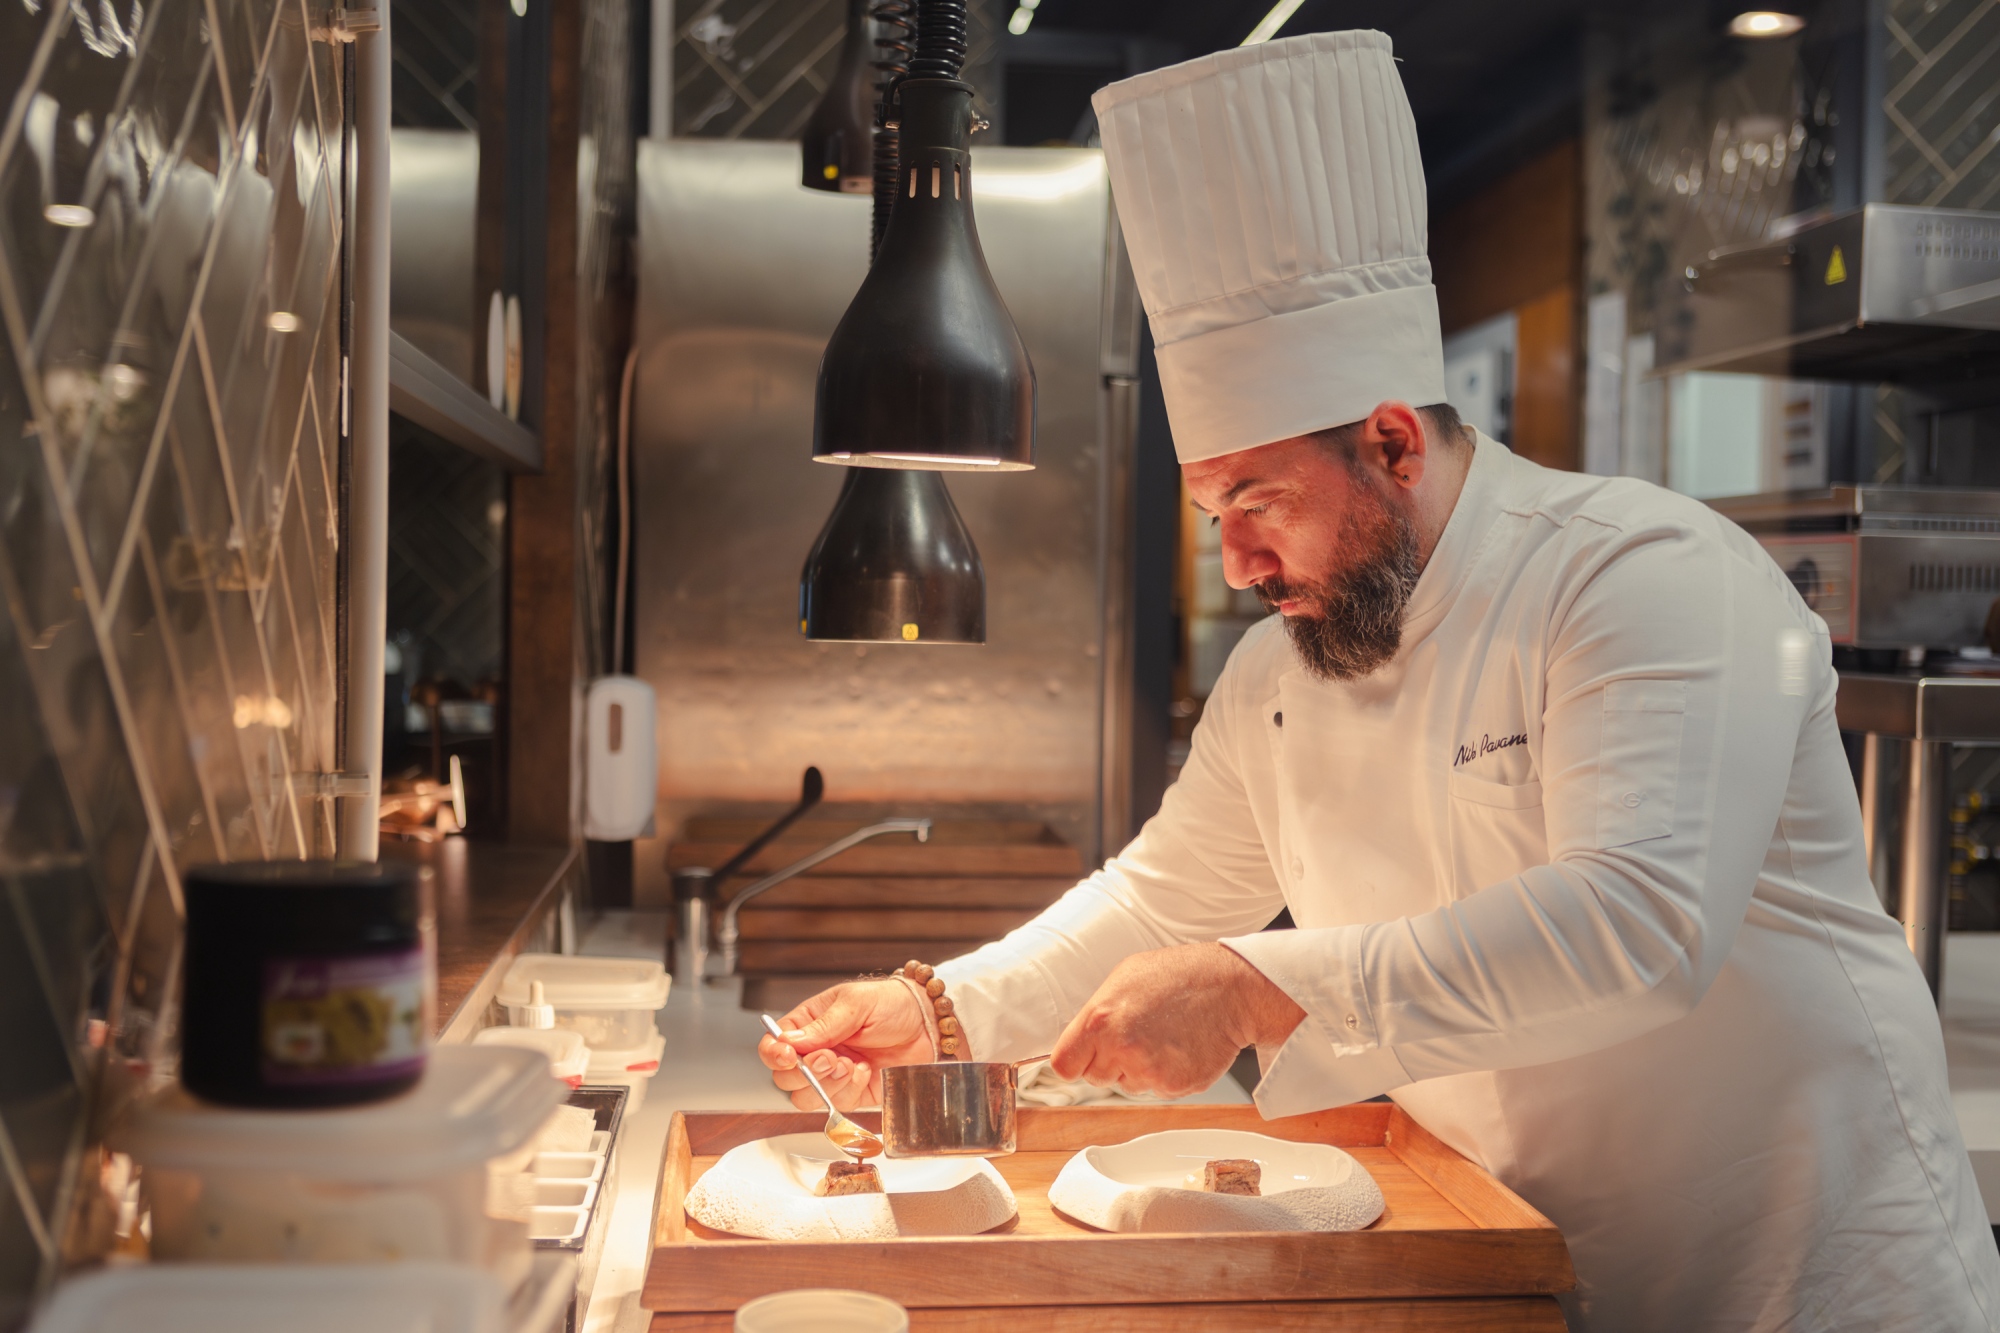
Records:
x=307, y=983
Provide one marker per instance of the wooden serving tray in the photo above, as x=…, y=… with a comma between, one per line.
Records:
x=1454, y=1249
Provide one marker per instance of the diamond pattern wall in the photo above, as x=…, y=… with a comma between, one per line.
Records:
x=1941, y=108
x=168, y=249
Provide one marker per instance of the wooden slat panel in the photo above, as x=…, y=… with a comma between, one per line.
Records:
x=810, y=833
x=842, y=955
x=915, y=891
x=1515, y=240
x=895, y=854
x=1532, y=1314
x=1548, y=399
x=876, y=923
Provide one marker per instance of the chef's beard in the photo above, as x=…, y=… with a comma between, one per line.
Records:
x=1352, y=623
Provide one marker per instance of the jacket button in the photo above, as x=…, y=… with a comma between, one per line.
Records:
x=1353, y=1022
x=1632, y=799
x=1277, y=719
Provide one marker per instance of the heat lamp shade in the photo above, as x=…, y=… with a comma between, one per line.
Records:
x=926, y=368
x=837, y=146
x=894, y=564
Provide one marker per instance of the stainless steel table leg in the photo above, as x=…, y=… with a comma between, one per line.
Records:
x=1874, y=845
x=1924, y=904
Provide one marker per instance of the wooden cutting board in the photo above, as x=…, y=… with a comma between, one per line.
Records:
x=1454, y=1249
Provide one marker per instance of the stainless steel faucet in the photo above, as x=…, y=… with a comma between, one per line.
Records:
x=726, y=934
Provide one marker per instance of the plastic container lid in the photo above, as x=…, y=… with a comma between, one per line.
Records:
x=570, y=982
x=474, y=1104
x=566, y=1050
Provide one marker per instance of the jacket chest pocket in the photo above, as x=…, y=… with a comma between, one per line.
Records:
x=1497, y=831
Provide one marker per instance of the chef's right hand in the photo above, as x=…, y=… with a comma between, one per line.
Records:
x=847, y=1035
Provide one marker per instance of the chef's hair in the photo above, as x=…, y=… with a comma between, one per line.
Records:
x=1444, y=424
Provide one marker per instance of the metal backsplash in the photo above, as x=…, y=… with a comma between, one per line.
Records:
x=168, y=392
x=743, y=276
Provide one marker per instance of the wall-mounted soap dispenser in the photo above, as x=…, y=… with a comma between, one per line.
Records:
x=621, y=769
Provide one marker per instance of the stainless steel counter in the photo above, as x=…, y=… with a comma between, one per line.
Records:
x=1923, y=717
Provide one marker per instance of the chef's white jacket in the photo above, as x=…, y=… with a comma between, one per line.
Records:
x=1579, y=882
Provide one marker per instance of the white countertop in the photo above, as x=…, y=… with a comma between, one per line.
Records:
x=710, y=1064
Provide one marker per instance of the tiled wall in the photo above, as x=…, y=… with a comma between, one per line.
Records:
x=167, y=466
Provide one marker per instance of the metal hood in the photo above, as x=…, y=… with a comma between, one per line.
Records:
x=1880, y=293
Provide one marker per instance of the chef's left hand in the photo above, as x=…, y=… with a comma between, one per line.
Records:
x=1172, y=1021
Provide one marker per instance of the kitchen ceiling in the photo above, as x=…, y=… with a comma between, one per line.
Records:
x=1448, y=48
x=1491, y=82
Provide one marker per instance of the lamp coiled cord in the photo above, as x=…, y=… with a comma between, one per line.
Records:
x=941, y=40
x=897, y=41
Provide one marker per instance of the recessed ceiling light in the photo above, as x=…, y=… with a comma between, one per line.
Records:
x=69, y=215
x=1021, y=18
x=1765, y=23
x=283, y=321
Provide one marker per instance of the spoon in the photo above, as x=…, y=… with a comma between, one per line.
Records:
x=847, y=1136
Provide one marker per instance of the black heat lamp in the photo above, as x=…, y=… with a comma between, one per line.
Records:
x=838, y=145
x=926, y=369
x=894, y=564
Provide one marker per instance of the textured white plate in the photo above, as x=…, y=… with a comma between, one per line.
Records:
x=765, y=1189
x=1141, y=1185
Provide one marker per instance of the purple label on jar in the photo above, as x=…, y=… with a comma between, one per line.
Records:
x=344, y=1020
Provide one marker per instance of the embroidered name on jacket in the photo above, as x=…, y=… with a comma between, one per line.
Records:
x=1487, y=745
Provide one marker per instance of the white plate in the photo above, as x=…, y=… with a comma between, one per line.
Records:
x=1142, y=1185
x=766, y=1188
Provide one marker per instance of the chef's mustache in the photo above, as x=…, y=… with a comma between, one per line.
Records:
x=1351, y=624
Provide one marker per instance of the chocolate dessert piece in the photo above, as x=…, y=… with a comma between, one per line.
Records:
x=854, y=1178
x=1232, y=1175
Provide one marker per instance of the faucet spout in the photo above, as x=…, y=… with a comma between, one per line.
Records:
x=726, y=936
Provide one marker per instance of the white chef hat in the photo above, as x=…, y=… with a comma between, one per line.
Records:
x=1273, y=204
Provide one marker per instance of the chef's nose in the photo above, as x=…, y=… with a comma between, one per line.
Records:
x=1245, y=561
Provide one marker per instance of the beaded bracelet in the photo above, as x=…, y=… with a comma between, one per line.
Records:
x=950, y=1038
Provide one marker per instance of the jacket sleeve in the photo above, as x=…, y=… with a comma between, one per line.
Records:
x=1197, y=871
x=1678, y=676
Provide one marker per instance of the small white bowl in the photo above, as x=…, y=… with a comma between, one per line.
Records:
x=1143, y=1185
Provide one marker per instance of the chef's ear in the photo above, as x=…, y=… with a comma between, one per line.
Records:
x=1393, y=437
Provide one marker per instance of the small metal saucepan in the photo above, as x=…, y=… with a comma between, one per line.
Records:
x=954, y=1108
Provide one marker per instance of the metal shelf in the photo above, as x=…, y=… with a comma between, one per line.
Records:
x=428, y=394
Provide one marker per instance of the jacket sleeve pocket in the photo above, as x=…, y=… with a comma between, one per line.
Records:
x=1639, y=761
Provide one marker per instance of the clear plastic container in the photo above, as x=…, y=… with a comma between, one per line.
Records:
x=566, y=1050
x=317, y=1298
x=398, y=1180
x=610, y=1001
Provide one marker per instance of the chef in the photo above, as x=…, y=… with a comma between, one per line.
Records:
x=1544, y=766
